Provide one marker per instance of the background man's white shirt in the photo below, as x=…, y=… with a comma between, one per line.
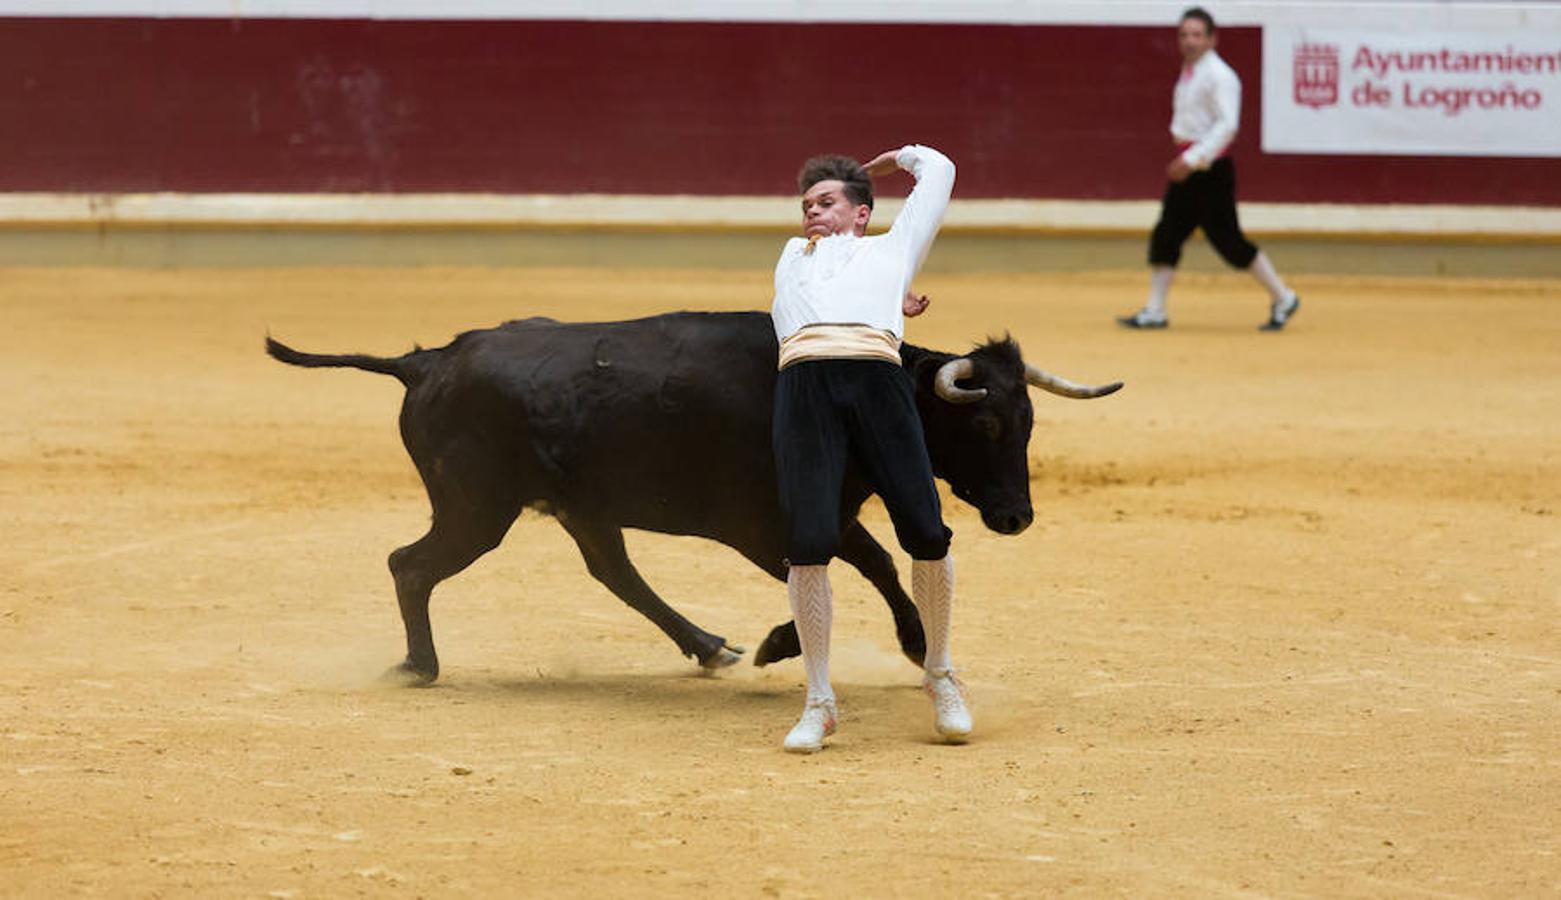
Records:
x=1206, y=110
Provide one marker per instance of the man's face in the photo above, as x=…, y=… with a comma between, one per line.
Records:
x=826, y=210
x=1193, y=37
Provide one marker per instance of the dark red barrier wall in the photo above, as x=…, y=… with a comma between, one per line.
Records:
x=117, y=105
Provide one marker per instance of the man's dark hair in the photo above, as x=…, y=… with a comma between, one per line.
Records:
x=1202, y=15
x=858, y=186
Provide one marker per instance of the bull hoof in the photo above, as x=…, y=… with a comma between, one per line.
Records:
x=781, y=643
x=913, y=640
x=408, y=675
x=726, y=655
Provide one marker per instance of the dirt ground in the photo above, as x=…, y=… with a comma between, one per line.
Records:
x=1285, y=624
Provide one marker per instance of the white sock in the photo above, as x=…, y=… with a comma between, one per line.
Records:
x=1159, y=288
x=1263, y=271
x=812, y=608
x=932, y=590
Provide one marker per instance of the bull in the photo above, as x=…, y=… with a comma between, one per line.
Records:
x=663, y=424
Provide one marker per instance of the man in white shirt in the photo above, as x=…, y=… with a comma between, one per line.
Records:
x=1206, y=110
x=843, y=397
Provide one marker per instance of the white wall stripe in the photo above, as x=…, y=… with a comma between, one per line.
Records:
x=779, y=213
x=1470, y=14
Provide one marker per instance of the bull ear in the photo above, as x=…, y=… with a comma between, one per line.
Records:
x=952, y=371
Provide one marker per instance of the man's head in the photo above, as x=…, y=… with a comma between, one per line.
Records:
x=837, y=196
x=1195, y=34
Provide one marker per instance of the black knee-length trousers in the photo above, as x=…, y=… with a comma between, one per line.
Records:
x=830, y=413
x=1206, y=199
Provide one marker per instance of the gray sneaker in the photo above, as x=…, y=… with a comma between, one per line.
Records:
x=1142, y=320
x=1281, y=314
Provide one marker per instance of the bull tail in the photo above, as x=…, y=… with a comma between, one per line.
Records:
x=407, y=369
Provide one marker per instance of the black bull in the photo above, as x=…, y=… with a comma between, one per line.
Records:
x=663, y=424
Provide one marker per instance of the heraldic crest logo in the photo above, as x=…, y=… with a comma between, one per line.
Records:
x=1316, y=77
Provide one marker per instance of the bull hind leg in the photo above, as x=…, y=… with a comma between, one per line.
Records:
x=451, y=544
x=608, y=561
x=866, y=555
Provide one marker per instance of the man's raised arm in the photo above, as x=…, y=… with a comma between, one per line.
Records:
x=918, y=222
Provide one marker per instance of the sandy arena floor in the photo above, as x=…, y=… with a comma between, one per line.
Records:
x=1285, y=624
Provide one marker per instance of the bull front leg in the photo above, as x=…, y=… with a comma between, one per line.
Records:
x=866, y=555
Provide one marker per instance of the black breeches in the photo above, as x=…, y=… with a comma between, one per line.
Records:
x=830, y=413
x=1207, y=199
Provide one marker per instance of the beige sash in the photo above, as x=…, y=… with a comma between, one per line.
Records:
x=839, y=342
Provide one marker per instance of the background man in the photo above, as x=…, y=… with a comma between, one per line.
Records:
x=842, y=396
x=1206, y=110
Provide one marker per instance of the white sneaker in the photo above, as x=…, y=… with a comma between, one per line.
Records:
x=948, y=704
x=817, y=723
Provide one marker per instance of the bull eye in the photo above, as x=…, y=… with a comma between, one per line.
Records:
x=989, y=426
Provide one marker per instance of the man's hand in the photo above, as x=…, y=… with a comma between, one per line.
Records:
x=1178, y=170
x=883, y=163
x=914, y=304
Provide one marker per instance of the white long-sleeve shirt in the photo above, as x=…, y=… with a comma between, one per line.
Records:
x=1206, y=110
x=850, y=280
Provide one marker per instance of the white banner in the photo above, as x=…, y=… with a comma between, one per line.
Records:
x=1412, y=93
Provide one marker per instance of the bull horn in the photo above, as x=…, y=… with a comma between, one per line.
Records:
x=1049, y=382
x=952, y=371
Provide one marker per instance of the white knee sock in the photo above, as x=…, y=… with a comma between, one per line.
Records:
x=1159, y=289
x=932, y=590
x=1263, y=271
x=812, y=608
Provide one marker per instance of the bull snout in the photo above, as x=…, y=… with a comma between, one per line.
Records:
x=1010, y=521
